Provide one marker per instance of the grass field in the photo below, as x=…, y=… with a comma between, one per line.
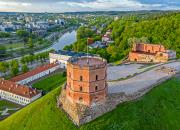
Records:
x=158, y=110
x=51, y=82
x=6, y=104
x=14, y=45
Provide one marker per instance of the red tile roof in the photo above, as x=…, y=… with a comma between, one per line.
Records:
x=17, y=89
x=33, y=72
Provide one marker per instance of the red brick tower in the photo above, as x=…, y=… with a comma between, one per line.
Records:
x=86, y=80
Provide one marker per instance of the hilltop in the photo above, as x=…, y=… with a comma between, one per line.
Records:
x=159, y=109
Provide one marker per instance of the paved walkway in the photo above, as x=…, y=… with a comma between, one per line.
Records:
x=123, y=71
x=141, y=81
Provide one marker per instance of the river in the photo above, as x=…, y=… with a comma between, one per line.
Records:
x=66, y=39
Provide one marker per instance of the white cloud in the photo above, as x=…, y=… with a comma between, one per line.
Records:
x=115, y=5
x=83, y=5
x=13, y=6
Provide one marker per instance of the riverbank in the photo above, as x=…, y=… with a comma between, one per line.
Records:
x=63, y=38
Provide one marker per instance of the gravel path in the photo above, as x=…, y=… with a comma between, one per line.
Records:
x=140, y=81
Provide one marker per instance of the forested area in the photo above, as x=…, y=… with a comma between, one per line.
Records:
x=164, y=29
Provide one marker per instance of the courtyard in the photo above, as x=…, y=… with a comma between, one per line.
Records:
x=125, y=71
x=7, y=108
x=141, y=81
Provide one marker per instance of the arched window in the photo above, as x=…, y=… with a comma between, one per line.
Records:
x=96, y=88
x=81, y=78
x=80, y=88
x=80, y=99
x=96, y=77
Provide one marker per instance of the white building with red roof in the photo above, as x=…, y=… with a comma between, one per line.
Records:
x=35, y=74
x=17, y=93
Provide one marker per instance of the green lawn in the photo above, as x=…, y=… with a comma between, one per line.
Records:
x=158, y=110
x=51, y=82
x=4, y=104
x=14, y=45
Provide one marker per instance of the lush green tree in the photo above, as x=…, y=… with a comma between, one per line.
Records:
x=4, y=66
x=4, y=34
x=2, y=50
x=14, y=67
x=22, y=33
x=30, y=43
x=25, y=68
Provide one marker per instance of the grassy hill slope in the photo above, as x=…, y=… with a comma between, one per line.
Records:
x=160, y=109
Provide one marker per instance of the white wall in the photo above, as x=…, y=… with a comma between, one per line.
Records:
x=39, y=75
x=17, y=99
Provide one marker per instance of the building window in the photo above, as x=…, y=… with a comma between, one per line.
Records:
x=81, y=99
x=69, y=74
x=80, y=88
x=81, y=78
x=96, y=77
x=96, y=88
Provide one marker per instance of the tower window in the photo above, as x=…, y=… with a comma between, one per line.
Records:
x=96, y=77
x=96, y=88
x=80, y=99
x=81, y=89
x=81, y=78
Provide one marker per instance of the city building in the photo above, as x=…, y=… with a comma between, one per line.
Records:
x=61, y=57
x=143, y=52
x=97, y=44
x=106, y=38
x=86, y=80
x=16, y=93
x=35, y=74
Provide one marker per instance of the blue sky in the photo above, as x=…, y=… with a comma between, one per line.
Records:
x=86, y=5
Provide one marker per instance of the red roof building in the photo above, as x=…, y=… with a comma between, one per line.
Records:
x=17, y=93
x=35, y=74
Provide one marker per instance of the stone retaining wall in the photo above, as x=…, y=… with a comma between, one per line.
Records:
x=80, y=114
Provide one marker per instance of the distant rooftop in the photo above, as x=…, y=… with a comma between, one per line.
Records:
x=88, y=61
x=70, y=53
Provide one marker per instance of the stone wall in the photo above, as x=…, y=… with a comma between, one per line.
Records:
x=81, y=114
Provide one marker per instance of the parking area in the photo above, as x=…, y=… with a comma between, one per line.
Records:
x=141, y=81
